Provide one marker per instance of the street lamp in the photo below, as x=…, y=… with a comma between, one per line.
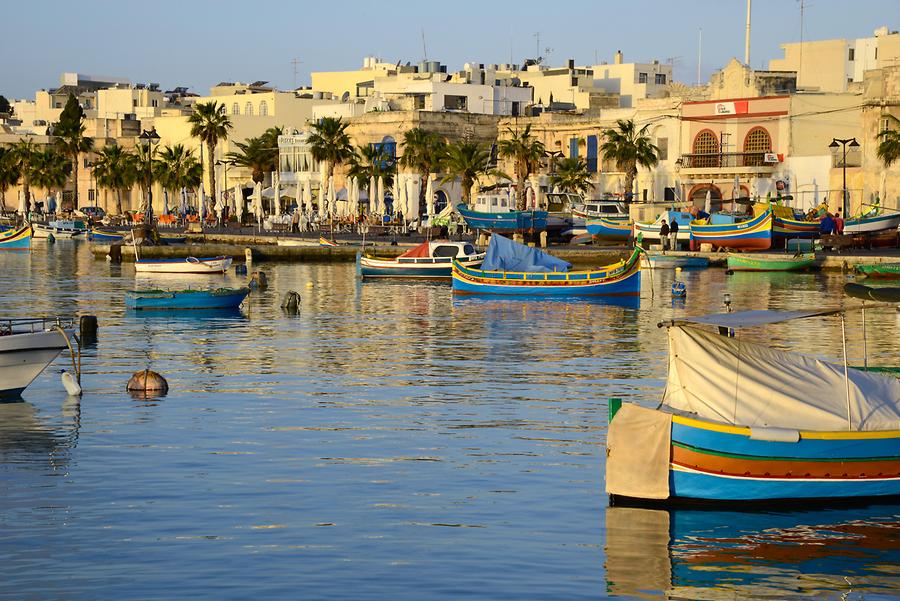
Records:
x=839, y=143
x=225, y=164
x=149, y=138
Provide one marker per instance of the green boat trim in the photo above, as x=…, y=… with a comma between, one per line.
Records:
x=879, y=270
x=745, y=262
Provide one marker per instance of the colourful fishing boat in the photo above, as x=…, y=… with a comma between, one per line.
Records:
x=650, y=231
x=787, y=224
x=872, y=223
x=609, y=229
x=743, y=422
x=218, y=264
x=880, y=270
x=769, y=262
x=16, y=239
x=504, y=221
x=323, y=241
x=220, y=298
x=752, y=234
x=510, y=268
x=104, y=236
x=429, y=260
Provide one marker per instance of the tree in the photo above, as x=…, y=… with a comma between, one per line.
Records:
x=146, y=169
x=371, y=160
x=889, y=146
x=572, y=175
x=5, y=106
x=70, y=138
x=469, y=162
x=423, y=152
x=177, y=168
x=526, y=152
x=50, y=170
x=9, y=173
x=330, y=144
x=255, y=155
x=116, y=169
x=23, y=155
x=210, y=124
x=629, y=147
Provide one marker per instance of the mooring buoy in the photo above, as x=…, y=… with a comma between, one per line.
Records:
x=147, y=381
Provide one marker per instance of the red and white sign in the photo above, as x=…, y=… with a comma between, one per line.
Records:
x=771, y=157
x=738, y=107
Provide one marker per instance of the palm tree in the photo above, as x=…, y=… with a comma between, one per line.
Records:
x=147, y=168
x=629, y=147
x=23, y=155
x=116, y=169
x=889, y=147
x=210, y=124
x=330, y=144
x=572, y=175
x=9, y=173
x=468, y=161
x=72, y=142
x=50, y=170
x=371, y=161
x=423, y=152
x=178, y=168
x=526, y=151
x=257, y=156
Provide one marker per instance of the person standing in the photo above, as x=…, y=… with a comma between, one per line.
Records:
x=673, y=235
x=664, y=234
x=826, y=226
x=839, y=224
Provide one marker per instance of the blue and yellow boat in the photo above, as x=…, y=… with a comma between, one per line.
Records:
x=609, y=229
x=752, y=234
x=504, y=221
x=742, y=422
x=16, y=239
x=510, y=268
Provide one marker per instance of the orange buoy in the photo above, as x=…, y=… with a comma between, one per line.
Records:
x=147, y=381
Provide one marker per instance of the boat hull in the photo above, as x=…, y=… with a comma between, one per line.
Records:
x=23, y=357
x=189, y=265
x=609, y=229
x=509, y=221
x=19, y=239
x=671, y=262
x=45, y=231
x=784, y=228
x=439, y=268
x=622, y=279
x=753, y=234
x=751, y=263
x=97, y=236
x=186, y=299
x=876, y=223
x=883, y=270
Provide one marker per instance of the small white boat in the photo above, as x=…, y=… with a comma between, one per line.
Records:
x=27, y=347
x=218, y=264
x=296, y=242
x=872, y=223
x=432, y=259
x=60, y=229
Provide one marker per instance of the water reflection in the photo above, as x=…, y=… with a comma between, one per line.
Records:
x=656, y=554
x=27, y=436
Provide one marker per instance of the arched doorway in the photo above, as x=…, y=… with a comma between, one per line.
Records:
x=440, y=201
x=698, y=195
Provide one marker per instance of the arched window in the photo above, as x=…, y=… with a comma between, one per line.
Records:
x=706, y=144
x=756, y=143
x=263, y=109
x=248, y=108
x=235, y=109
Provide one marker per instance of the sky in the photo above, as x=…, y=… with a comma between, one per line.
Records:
x=198, y=43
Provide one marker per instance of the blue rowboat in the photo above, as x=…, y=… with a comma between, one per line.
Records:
x=429, y=260
x=872, y=223
x=743, y=422
x=534, y=273
x=609, y=229
x=102, y=236
x=18, y=239
x=504, y=221
x=753, y=234
x=651, y=260
x=220, y=298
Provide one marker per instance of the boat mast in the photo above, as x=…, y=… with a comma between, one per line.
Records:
x=846, y=371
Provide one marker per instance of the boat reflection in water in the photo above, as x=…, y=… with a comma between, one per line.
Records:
x=696, y=554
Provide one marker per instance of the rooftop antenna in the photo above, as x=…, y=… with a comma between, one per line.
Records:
x=424, y=48
x=295, y=62
x=800, y=60
x=747, y=37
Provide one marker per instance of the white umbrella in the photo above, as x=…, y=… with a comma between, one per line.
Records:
x=736, y=188
x=815, y=193
x=237, y=201
x=184, y=204
x=21, y=202
x=331, y=197
x=165, y=202
x=307, y=196
x=412, y=198
x=257, y=203
x=321, y=200
x=277, y=191
x=395, y=194
x=707, y=206
x=379, y=195
x=429, y=196
x=298, y=197
x=373, y=192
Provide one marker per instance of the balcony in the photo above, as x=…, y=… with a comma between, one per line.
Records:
x=738, y=162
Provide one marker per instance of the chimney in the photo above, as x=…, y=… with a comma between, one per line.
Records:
x=618, y=58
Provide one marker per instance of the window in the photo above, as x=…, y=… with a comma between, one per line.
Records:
x=707, y=146
x=663, y=145
x=446, y=251
x=154, y=103
x=592, y=154
x=885, y=124
x=642, y=78
x=456, y=103
x=660, y=79
x=235, y=109
x=92, y=195
x=419, y=102
x=573, y=148
x=759, y=142
x=248, y=109
x=133, y=102
x=850, y=54
x=85, y=163
x=263, y=109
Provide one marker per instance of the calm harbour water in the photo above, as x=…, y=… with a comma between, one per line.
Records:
x=389, y=442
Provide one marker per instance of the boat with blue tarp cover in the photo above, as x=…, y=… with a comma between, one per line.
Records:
x=220, y=298
x=511, y=268
x=743, y=422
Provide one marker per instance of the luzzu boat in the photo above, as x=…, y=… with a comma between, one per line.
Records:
x=104, y=236
x=609, y=229
x=220, y=298
x=752, y=234
x=429, y=260
x=218, y=264
x=742, y=422
x=510, y=268
x=16, y=239
x=650, y=231
x=788, y=224
x=872, y=223
x=747, y=262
